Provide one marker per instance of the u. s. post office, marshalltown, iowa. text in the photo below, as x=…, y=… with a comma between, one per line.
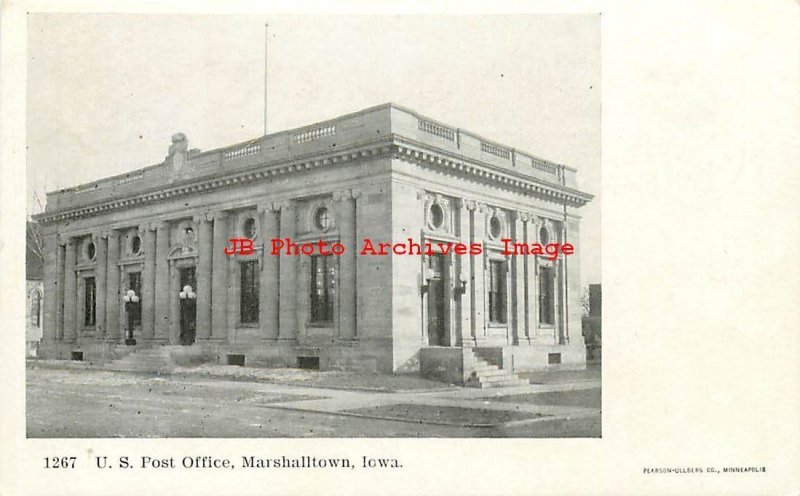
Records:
x=314, y=462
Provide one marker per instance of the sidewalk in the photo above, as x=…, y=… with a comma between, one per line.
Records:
x=385, y=397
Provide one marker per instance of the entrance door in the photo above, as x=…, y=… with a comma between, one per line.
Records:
x=188, y=307
x=436, y=308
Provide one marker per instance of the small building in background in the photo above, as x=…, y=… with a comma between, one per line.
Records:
x=34, y=290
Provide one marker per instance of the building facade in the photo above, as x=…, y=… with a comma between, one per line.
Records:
x=385, y=174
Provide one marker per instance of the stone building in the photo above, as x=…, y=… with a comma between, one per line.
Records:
x=385, y=174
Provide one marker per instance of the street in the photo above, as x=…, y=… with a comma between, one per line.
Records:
x=98, y=403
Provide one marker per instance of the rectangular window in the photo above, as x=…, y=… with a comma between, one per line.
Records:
x=497, y=292
x=135, y=283
x=323, y=281
x=248, y=296
x=546, y=300
x=89, y=302
x=36, y=309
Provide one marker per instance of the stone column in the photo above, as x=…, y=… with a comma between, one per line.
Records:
x=205, y=247
x=70, y=293
x=162, y=300
x=268, y=292
x=58, y=294
x=345, y=219
x=464, y=271
x=50, y=252
x=531, y=317
x=112, y=288
x=174, y=304
x=219, y=278
x=477, y=263
x=148, y=282
x=287, y=328
x=518, y=221
x=100, y=286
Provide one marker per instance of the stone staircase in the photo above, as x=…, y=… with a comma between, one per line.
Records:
x=153, y=360
x=484, y=374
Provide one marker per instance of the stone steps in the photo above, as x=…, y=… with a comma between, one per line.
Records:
x=487, y=375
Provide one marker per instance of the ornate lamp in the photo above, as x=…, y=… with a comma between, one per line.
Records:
x=131, y=300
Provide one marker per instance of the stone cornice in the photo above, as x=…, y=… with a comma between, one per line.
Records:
x=395, y=145
x=426, y=156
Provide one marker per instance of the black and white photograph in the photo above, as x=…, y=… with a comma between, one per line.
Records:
x=308, y=227
x=343, y=247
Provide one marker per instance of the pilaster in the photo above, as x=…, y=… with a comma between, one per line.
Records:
x=162, y=283
x=148, y=282
x=478, y=263
x=464, y=268
x=344, y=204
x=205, y=247
x=519, y=336
x=219, y=277
x=112, y=287
x=70, y=293
x=269, y=294
x=288, y=276
x=100, y=285
x=58, y=293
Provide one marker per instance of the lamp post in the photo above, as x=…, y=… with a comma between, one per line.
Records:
x=187, y=297
x=131, y=300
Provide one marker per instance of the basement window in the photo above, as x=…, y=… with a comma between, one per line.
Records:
x=553, y=358
x=308, y=363
x=236, y=360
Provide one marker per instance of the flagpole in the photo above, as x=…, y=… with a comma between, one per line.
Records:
x=266, y=53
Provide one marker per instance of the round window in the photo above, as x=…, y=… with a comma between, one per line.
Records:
x=437, y=215
x=91, y=251
x=495, y=227
x=322, y=219
x=544, y=236
x=136, y=244
x=249, y=228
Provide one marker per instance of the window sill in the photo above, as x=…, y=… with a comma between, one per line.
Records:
x=497, y=324
x=328, y=324
x=248, y=325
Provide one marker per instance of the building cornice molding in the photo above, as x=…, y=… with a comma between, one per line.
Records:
x=424, y=155
x=396, y=146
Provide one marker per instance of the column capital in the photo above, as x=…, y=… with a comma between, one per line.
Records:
x=217, y=215
x=482, y=207
x=159, y=225
x=283, y=204
x=346, y=194
x=109, y=233
x=200, y=217
x=467, y=204
x=521, y=216
x=148, y=226
x=66, y=240
x=268, y=206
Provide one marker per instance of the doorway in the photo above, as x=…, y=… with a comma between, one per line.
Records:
x=436, y=300
x=188, y=307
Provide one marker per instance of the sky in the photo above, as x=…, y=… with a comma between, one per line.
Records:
x=105, y=92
